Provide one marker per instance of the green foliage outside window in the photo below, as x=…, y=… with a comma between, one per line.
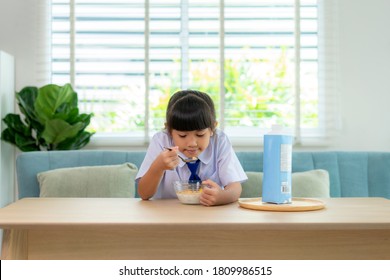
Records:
x=257, y=94
x=255, y=90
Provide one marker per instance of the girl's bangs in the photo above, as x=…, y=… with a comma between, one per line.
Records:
x=190, y=121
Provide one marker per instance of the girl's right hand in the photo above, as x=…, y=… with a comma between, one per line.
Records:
x=168, y=159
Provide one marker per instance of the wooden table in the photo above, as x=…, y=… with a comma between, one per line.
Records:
x=117, y=228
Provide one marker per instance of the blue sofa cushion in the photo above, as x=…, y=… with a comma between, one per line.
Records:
x=351, y=174
x=29, y=164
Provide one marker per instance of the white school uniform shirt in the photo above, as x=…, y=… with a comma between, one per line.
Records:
x=218, y=163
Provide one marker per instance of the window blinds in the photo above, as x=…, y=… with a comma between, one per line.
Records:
x=263, y=62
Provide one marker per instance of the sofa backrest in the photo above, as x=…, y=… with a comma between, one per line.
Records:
x=29, y=164
x=351, y=174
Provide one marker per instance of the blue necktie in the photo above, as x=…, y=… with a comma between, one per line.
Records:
x=193, y=166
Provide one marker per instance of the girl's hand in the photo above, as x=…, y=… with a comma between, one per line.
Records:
x=214, y=195
x=168, y=159
x=148, y=184
x=211, y=193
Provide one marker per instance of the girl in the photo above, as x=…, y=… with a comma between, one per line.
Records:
x=190, y=131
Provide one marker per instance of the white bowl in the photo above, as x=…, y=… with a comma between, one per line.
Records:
x=188, y=193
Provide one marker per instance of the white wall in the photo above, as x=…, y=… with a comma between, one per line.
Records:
x=365, y=75
x=17, y=37
x=364, y=53
x=7, y=151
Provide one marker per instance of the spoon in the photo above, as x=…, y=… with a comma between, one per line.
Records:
x=193, y=159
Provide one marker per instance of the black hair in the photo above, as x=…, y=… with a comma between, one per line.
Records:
x=190, y=110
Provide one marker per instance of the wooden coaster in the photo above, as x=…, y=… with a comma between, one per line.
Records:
x=298, y=204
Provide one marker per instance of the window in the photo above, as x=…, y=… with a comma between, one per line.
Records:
x=261, y=61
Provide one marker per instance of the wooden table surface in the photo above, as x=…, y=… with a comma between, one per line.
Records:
x=120, y=228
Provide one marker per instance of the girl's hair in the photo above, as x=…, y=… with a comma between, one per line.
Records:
x=190, y=110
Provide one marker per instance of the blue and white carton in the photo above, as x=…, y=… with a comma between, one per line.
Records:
x=277, y=160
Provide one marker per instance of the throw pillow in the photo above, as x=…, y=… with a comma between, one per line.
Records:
x=313, y=183
x=89, y=181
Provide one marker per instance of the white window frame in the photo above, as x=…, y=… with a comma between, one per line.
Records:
x=328, y=84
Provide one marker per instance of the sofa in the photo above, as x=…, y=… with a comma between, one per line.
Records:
x=351, y=174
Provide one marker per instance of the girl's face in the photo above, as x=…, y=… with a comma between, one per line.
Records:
x=192, y=143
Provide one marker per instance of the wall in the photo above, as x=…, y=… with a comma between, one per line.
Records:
x=7, y=151
x=365, y=75
x=17, y=37
x=364, y=56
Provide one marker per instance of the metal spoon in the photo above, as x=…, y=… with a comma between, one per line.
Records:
x=193, y=159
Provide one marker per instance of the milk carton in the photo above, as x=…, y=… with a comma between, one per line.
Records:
x=277, y=166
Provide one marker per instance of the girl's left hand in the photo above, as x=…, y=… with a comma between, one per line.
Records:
x=211, y=193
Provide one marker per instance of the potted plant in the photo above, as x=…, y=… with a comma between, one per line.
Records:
x=51, y=120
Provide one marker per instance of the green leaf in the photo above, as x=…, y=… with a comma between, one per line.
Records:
x=51, y=98
x=75, y=143
x=58, y=130
x=51, y=120
x=67, y=114
x=26, y=100
x=8, y=135
x=24, y=143
x=18, y=133
x=14, y=122
x=83, y=118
